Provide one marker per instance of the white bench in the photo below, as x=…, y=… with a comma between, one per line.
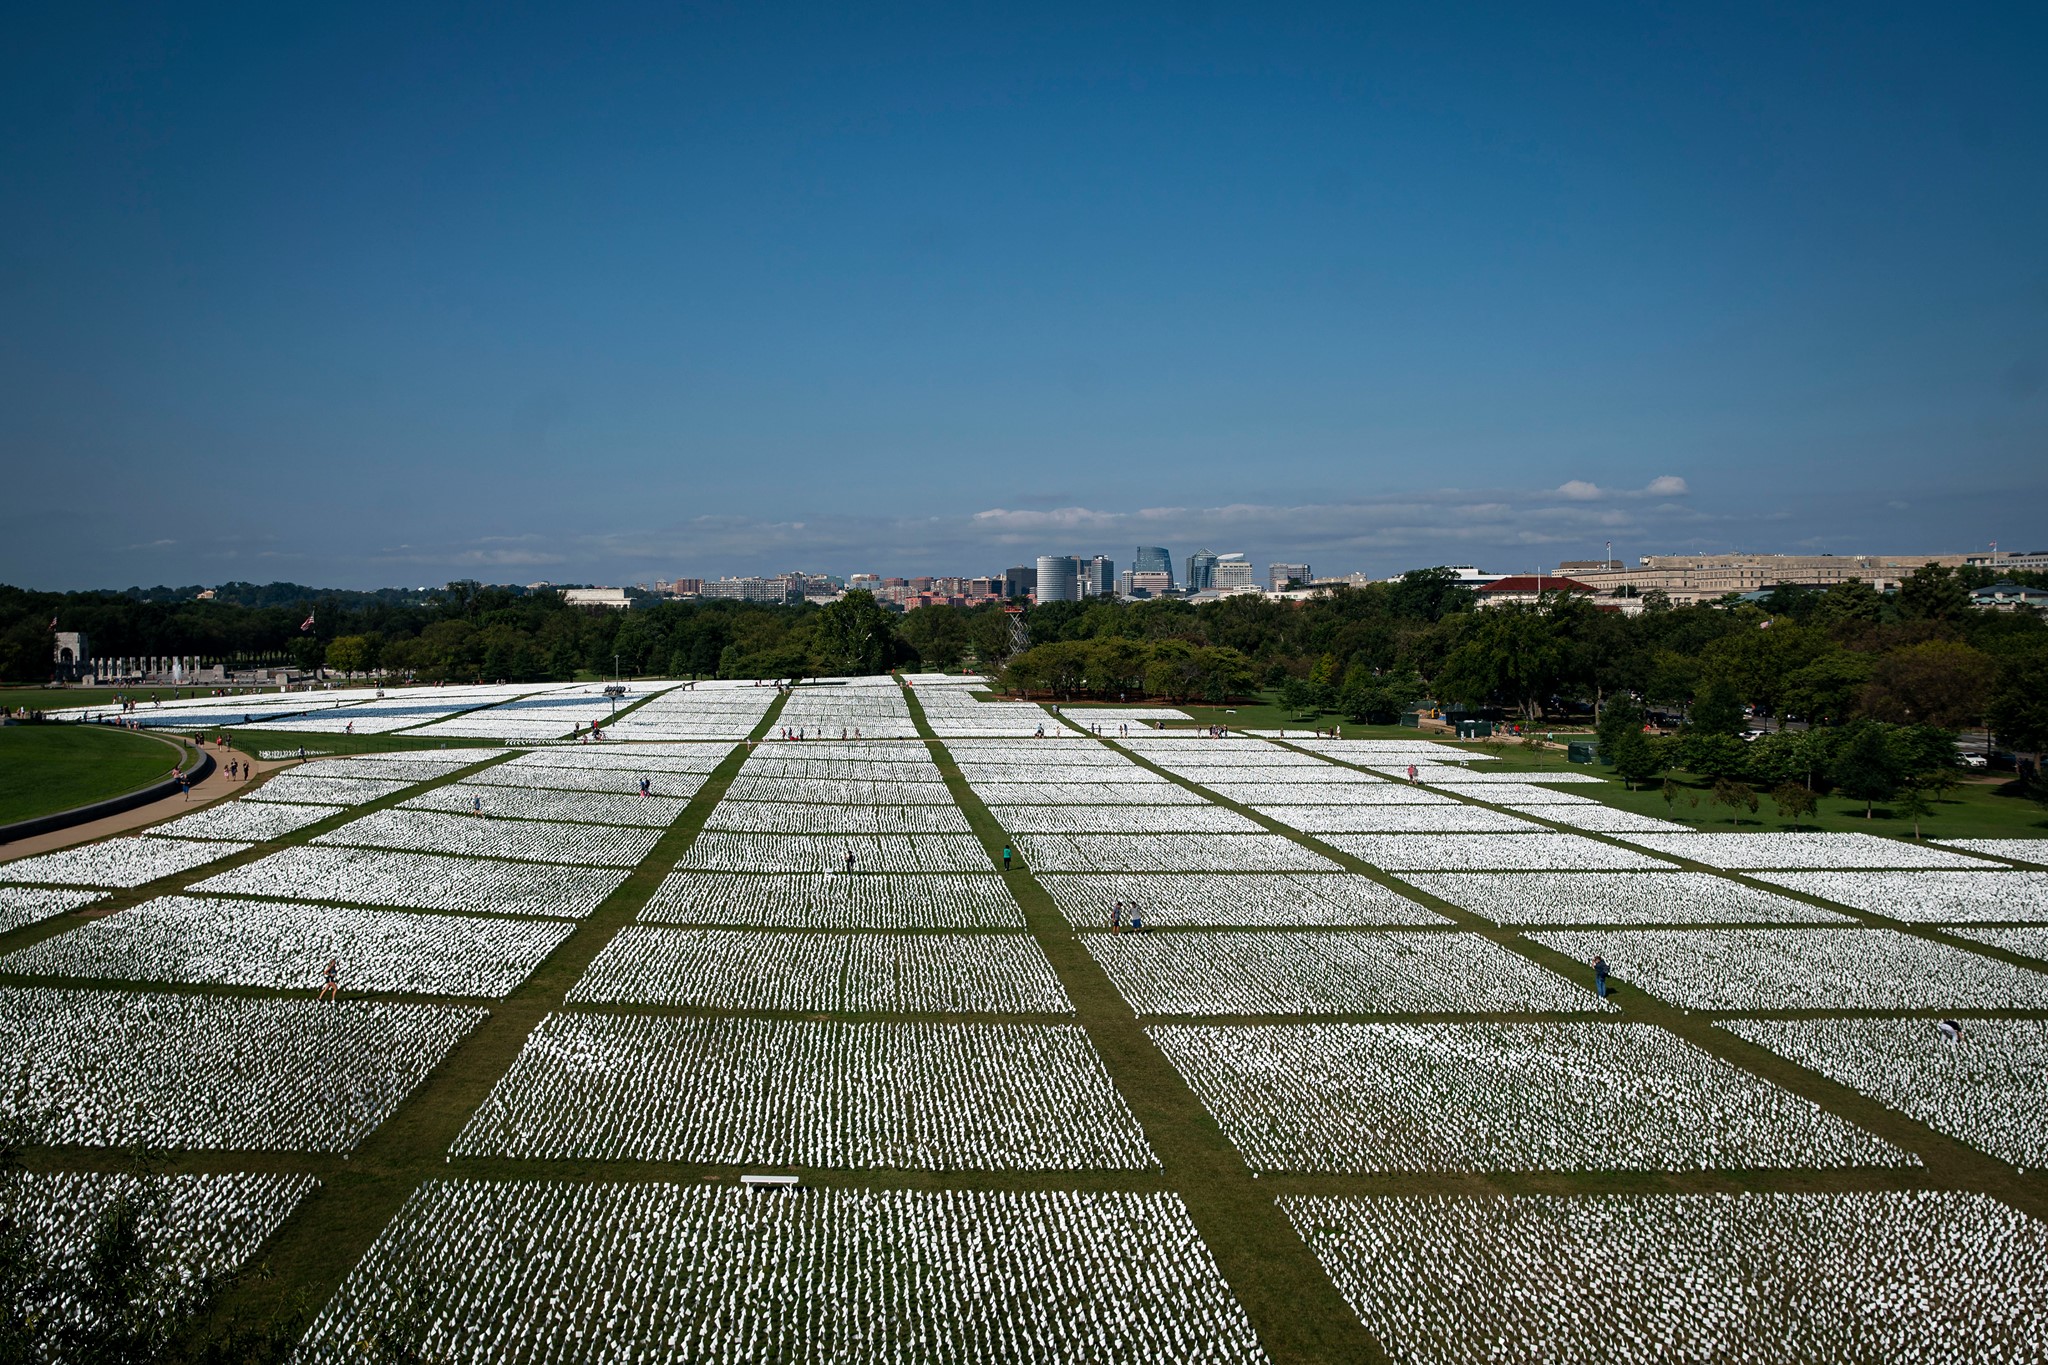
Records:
x=769, y=1182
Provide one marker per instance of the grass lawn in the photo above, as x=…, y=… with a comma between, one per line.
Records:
x=55, y=698
x=47, y=768
x=1976, y=809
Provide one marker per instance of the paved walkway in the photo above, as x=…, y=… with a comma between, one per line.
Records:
x=216, y=786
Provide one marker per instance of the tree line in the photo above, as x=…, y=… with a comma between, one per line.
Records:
x=1923, y=656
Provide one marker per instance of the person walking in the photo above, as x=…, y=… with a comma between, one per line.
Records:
x=1006, y=857
x=1600, y=975
x=1411, y=774
x=643, y=786
x=185, y=785
x=332, y=988
x=1116, y=917
x=849, y=860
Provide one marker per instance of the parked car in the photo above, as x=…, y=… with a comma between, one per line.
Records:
x=1973, y=761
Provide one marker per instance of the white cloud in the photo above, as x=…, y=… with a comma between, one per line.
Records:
x=1667, y=486
x=1578, y=490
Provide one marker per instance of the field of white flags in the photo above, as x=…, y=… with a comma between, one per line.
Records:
x=727, y=1091
x=1503, y=792
x=1786, y=849
x=1490, y=852
x=1393, y=971
x=307, y=786
x=118, y=862
x=1448, y=775
x=1454, y=818
x=1805, y=968
x=1265, y=792
x=2034, y=851
x=1616, y=898
x=422, y=881
x=484, y=836
x=753, y=969
x=953, y=713
x=699, y=1273
x=862, y=710
x=1152, y=820
x=250, y=823
x=815, y=817
x=1008, y=1106
x=192, y=1228
x=1989, y=1089
x=228, y=941
x=1649, y=1279
x=2028, y=940
x=25, y=905
x=833, y=900
x=1591, y=815
x=1261, y=852
x=621, y=805
x=697, y=711
x=127, y=1068
x=1231, y=900
x=733, y=851
x=766, y=783
x=1932, y=897
x=1499, y=1097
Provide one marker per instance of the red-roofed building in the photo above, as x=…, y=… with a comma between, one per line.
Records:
x=1528, y=589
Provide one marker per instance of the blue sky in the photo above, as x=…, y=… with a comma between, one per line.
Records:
x=364, y=295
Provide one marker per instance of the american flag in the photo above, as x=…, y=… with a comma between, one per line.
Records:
x=306, y=624
x=53, y=623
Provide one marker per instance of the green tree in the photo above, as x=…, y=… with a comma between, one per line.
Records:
x=1637, y=757
x=1935, y=682
x=936, y=634
x=1324, y=678
x=1716, y=711
x=1224, y=674
x=1379, y=698
x=1623, y=715
x=1428, y=595
x=1795, y=803
x=1300, y=698
x=1734, y=795
x=352, y=653
x=1865, y=768
x=1173, y=672
x=1512, y=653
x=1914, y=805
x=1933, y=592
x=853, y=637
x=2018, y=711
x=1849, y=605
x=1826, y=687
x=1116, y=666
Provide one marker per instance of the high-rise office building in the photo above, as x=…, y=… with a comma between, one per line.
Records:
x=1098, y=577
x=1201, y=571
x=1279, y=575
x=1058, y=579
x=1020, y=581
x=1153, y=559
x=1231, y=571
x=1135, y=584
